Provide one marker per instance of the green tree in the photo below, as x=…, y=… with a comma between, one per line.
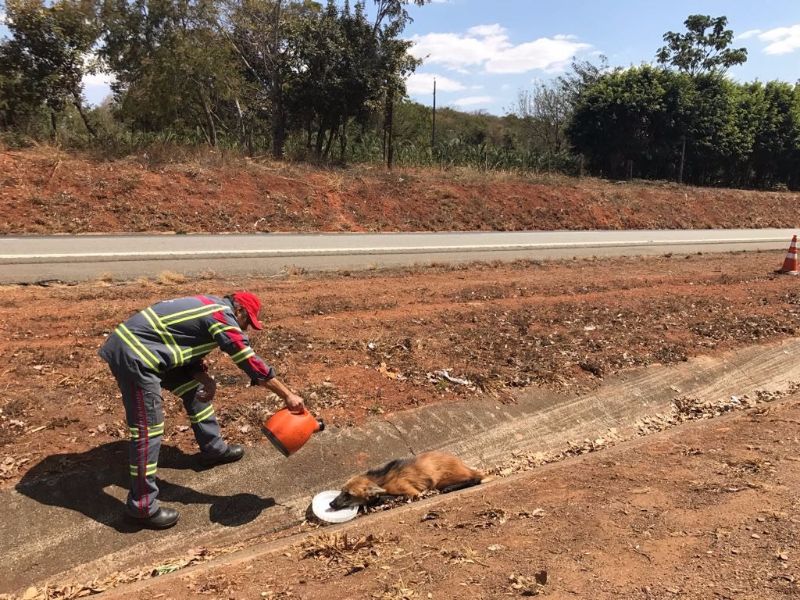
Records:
x=713, y=136
x=777, y=141
x=703, y=48
x=749, y=114
x=622, y=123
x=322, y=68
x=545, y=110
x=391, y=19
x=43, y=63
x=581, y=75
x=363, y=71
x=173, y=69
x=317, y=91
x=267, y=35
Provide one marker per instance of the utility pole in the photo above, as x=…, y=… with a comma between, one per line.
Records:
x=433, y=130
x=683, y=157
x=388, y=127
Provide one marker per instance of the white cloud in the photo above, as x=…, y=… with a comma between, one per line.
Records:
x=422, y=83
x=750, y=33
x=487, y=30
x=489, y=47
x=781, y=40
x=545, y=54
x=473, y=100
x=452, y=50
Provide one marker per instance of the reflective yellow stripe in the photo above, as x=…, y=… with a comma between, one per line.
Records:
x=220, y=327
x=204, y=348
x=137, y=346
x=134, y=428
x=189, y=353
x=149, y=470
x=138, y=343
x=152, y=431
x=242, y=355
x=165, y=335
x=190, y=385
x=168, y=318
x=192, y=313
x=202, y=415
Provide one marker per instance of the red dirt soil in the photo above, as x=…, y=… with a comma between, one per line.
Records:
x=45, y=191
x=371, y=343
x=641, y=524
x=707, y=510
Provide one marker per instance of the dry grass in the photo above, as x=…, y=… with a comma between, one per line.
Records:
x=338, y=547
x=171, y=278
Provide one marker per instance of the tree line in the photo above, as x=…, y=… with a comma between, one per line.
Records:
x=238, y=72
x=316, y=81
x=685, y=120
x=703, y=129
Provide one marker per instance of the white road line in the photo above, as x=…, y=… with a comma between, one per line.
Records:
x=173, y=254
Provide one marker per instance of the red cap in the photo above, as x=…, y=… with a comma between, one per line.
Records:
x=251, y=304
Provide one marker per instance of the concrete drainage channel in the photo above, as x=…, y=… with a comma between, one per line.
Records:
x=49, y=534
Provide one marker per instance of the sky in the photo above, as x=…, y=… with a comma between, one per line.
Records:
x=484, y=52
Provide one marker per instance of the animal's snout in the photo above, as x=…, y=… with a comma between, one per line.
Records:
x=343, y=500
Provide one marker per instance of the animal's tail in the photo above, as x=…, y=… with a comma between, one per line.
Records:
x=483, y=477
x=460, y=486
x=477, y=478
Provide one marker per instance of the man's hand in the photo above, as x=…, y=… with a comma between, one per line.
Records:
x=209, y=389
x=294, y=403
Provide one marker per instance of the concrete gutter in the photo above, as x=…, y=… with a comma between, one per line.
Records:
x=68, y=527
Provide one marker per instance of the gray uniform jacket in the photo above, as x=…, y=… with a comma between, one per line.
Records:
x=178, y=333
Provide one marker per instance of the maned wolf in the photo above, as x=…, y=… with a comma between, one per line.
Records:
x=408, y=477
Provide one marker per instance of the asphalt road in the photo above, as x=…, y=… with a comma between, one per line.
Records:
x=29, y=259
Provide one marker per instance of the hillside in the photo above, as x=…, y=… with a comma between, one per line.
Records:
x=44, y=191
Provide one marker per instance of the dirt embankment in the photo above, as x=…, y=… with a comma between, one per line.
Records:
x=43, y=191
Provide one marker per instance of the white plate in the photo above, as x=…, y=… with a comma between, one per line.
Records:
x=321, y=507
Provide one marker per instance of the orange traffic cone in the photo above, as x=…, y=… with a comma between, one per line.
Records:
x=790, y=264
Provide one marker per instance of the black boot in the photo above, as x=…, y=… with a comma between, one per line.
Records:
x=232, y=453
x=161, y=519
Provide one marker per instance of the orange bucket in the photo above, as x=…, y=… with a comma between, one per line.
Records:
x=288, y=432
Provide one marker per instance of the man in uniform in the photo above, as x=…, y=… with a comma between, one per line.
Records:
x=164, y=346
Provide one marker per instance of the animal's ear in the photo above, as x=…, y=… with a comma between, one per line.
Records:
x=374, y=490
